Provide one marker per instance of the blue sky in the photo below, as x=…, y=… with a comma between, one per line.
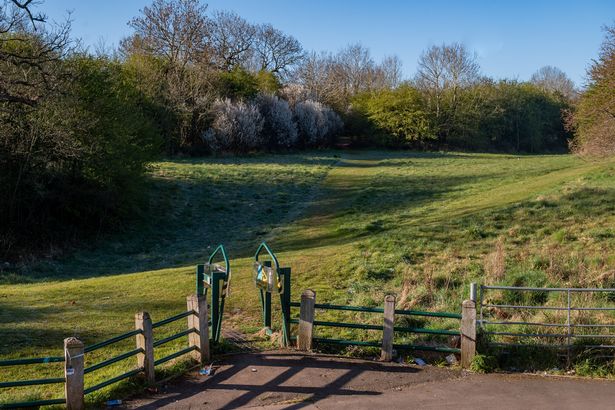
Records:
x=512, y=38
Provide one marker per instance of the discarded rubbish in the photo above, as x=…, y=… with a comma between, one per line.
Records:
x=451, y=359
x=206, y=371
x=113, y=402
x=420, y=362
x=253, y=370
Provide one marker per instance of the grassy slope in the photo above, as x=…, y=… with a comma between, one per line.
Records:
x=419, y=225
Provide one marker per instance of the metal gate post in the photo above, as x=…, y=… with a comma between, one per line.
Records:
x=568, y=339
x=200, y=276
x=285, y=302
x=215, y=306
x=266, y=302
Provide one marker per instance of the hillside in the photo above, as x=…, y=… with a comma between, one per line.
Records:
x=421, y=225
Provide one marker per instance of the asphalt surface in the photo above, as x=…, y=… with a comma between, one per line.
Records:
x=289, y=380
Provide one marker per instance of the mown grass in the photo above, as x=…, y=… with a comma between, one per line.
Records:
x=420, y=225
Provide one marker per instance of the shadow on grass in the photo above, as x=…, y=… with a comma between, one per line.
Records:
x=191, y=213
x=194, y=209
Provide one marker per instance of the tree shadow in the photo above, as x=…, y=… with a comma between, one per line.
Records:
x=189, y=216
x=241, y=206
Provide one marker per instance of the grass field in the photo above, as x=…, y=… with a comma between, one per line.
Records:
x=352, y=225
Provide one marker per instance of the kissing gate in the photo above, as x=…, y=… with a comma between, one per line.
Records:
x=218, y=278
x=269, y=278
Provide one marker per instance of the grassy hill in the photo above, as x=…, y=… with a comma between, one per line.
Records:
x=352, y=225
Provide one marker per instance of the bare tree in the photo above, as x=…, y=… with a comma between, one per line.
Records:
x=29, y=60
x=355, y=69
x=446, y=67
x=336, y=78
x=231, y=39
x=25, y=6
x=552, y=79
x=443, y=72
x=175, y=29
x=275, y=51
x=431, y=74
x=32, y=73
x=313, y=79
x=391, y=68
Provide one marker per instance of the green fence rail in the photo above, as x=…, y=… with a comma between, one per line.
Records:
x=174, y=355
x=173, y=318
x=112, y=360
x=34, y=382
x=115, y=359
x=363, y=326
x=19, y=362
x=328, y=306
x=34, y=403
x=174, y=337
x=113, y=380
x=111, y=341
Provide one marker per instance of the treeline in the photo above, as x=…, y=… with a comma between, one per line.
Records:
x=447, y=105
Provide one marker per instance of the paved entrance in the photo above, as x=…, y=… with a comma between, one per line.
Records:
x=283, y=380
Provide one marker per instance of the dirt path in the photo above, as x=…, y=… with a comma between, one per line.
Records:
x=288, y=380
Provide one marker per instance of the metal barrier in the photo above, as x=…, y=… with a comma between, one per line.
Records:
x=218, y=278
x=270, y=278
x=574, y=331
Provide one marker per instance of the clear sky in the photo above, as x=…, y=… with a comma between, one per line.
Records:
x=512, y=38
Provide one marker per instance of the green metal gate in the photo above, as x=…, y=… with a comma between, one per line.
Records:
x=217, y=277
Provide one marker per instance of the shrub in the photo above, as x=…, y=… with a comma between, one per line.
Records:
x=317, y=123
x=398, y=115
x=279, y=127
x=594, y=119
x=237, y=126
x=483, y=364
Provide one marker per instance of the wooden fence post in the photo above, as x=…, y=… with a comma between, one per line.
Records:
x=468, y=333
x=145, y=341
x=73, y=372
x=199, y=321
x=387, y=335
x=306, y=320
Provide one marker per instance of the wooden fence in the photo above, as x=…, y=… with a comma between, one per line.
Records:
x=197, y=332
x=307, y=322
